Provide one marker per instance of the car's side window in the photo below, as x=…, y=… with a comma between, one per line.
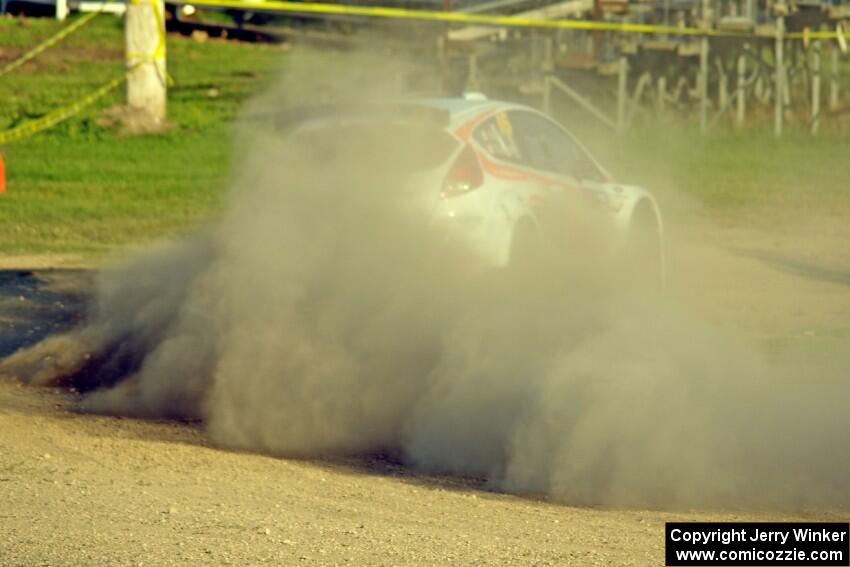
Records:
x=549, y=148
x=497, y=137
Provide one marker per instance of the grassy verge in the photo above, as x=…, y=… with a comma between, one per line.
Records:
x=731, y=173
x=82, y=186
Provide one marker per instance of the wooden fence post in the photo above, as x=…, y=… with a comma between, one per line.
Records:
x=662, y=94
x=722, y=85
x=703, y=84
x=740, y=87
x=833, y=78
x=779, y=77
x=622, y=94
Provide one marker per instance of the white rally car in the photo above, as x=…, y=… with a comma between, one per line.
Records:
x=506, y=179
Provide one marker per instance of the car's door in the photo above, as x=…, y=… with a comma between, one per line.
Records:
x=581, y=186
x=554, y=152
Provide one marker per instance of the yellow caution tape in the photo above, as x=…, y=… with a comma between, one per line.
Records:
x=479, y=19
x=438, y=16
x=62, y=34
x=55, y=117
x=807, y=35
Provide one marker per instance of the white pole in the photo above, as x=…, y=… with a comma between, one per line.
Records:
x=61, y=9
x=144, y=34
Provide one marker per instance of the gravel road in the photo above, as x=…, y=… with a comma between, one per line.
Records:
x=89, y=490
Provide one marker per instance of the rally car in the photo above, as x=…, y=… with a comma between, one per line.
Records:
x=507, y=180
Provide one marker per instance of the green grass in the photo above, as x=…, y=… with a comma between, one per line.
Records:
x=84, y=187
x=732, y=172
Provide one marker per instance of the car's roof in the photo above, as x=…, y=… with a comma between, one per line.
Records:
x=449, y=113
x=455, y=105
x=461, y=109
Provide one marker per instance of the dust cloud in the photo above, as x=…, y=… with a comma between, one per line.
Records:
x=325, y=315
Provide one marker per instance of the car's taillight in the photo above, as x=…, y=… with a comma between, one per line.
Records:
x=464, y=176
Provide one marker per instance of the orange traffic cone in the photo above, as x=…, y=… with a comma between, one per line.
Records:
x=2, y=175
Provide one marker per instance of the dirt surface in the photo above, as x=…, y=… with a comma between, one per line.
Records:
x=86, y=490
x=765, y=283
